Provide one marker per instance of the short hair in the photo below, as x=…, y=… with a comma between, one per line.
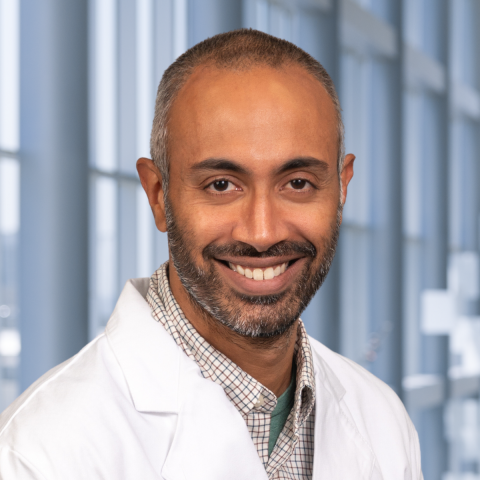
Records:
x=235, y=50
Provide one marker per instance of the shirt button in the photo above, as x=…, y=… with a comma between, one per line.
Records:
x=260, y=402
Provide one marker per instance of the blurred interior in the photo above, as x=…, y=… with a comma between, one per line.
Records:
x=77, y=89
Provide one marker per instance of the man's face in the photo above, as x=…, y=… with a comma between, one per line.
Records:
x=253, y=207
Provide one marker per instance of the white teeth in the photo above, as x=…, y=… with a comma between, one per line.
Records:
x=259, y=274
x=268, y=273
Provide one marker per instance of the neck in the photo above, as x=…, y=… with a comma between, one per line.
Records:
x=267, y=360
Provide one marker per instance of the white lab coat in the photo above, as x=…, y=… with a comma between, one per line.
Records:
x=131, y=405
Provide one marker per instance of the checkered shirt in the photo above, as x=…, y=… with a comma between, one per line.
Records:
x=292, y=456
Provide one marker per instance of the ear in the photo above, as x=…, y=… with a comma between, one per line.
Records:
x=346, y=175
x=151, y=180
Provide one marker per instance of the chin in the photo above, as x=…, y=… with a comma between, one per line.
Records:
x=268, y=316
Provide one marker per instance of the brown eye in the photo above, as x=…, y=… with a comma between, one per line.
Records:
x=220, y=185
x=298, y=184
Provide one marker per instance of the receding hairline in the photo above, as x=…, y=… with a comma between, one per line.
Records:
x=209, y=66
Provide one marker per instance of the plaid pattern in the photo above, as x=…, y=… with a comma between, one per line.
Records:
x=292, y=456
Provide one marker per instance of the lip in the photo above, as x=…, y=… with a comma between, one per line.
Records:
x=248, y=286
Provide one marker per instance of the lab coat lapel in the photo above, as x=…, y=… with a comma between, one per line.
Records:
x=211, y=441
x=144, y=350
x=341, y=452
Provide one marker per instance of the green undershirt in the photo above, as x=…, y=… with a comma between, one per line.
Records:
x=280, y=414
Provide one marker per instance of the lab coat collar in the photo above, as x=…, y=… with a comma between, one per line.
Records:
x=147, y=354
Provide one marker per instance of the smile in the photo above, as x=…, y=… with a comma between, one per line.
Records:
x=260, y=274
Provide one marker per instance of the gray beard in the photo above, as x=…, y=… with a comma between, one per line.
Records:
x=254, y=316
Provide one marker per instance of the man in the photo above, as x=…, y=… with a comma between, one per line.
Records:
x=205, y=370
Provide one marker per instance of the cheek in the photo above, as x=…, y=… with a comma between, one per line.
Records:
x=314, y=219
x=212, y=224
x=315, y=227
x=204, y=225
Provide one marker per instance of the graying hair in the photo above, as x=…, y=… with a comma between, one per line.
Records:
x=237, y=50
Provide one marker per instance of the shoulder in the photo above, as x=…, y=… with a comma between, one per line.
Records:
x=63, y=404
x=365, y=394
x=76, y=381
x=355, y=379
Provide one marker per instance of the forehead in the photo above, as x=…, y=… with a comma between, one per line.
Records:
x=261, y=112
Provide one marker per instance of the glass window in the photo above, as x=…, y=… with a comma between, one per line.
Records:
x=464, y=44
x=464, y=185
x=380, y=8
x=9, y=227
x=9, y=200
x=127, y=56
x=424, y=23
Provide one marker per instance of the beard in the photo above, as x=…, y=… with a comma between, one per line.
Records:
x=254, y=316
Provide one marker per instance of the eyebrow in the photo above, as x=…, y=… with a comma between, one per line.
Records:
x=220, y=164
x=303, y=162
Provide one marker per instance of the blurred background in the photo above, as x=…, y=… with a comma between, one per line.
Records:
x=77, y=89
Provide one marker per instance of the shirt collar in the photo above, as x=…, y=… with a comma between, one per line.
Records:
x=246, y=393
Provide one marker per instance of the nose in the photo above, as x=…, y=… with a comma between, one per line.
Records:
x=261, y=223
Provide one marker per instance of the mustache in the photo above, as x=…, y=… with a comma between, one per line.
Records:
x=240, y=249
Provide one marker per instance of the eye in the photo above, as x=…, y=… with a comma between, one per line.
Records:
x=299, y=183
x=221, y=185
